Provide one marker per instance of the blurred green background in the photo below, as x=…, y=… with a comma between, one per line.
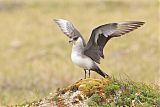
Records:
x=35, y=54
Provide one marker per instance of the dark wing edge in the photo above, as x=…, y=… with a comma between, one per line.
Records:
x=102, y=34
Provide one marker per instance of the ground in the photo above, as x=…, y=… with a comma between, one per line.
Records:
x=101, y=92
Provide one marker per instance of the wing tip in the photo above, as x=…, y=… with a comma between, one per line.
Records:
x=141, y=22
x=55, y=19
x=138, y=22
x=59, y=20
x=133, y=22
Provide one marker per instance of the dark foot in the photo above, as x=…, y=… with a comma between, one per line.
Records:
x=89, y=73
x=85, y=74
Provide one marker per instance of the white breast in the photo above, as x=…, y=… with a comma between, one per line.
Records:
x=82, y=61
x=78, y=58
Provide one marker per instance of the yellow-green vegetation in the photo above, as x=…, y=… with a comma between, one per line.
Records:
x=108, y=93
x=35, y=54
x=120, y=93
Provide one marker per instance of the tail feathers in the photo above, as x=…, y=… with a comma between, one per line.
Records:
x=99, y=71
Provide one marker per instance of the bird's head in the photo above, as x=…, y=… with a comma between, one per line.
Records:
x=73, y=39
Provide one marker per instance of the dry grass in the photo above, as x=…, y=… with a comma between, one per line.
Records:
x=35, y=55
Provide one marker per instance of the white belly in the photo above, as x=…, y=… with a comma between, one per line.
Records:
x=82, y=61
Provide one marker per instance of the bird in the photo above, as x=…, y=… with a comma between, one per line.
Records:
x=88, y=55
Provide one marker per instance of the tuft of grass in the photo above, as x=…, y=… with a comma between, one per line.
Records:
x=96, y=98
x=111, y=88
x=127, y=93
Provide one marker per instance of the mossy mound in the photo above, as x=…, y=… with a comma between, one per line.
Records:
x=102, y=93
x=79, y=93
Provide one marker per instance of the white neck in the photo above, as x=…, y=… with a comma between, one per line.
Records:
x=78, y=46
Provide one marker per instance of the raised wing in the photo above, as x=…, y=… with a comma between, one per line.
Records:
x=103, y=33
x=67, y=28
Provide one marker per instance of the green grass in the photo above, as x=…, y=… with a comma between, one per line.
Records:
x=127, y=93
x=35, y=55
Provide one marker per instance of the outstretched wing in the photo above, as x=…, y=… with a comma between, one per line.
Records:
x=103, y=33
x=67, y=28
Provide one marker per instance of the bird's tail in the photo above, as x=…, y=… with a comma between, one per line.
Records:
x=99, y=71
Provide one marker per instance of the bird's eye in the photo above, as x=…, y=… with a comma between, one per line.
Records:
x=75, y=38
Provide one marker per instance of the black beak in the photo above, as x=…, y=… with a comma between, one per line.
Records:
x=71, y=40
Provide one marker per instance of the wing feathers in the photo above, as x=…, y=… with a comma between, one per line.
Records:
x=103, y=33
x=125, y=27
x=66, y=27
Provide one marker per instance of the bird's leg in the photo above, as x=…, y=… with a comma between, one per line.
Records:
x=85, y=74
x=89, y=73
